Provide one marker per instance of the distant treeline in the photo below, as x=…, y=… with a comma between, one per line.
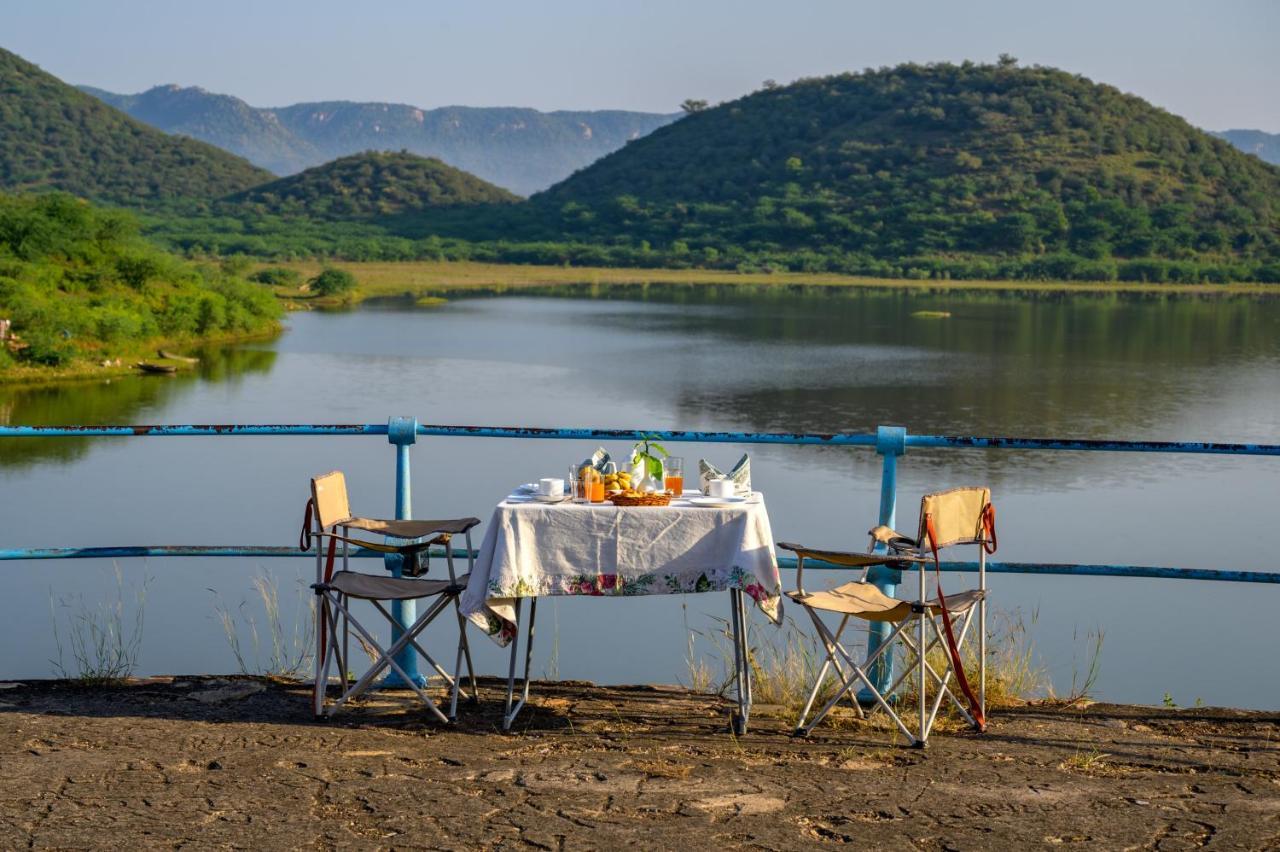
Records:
x=279, y=238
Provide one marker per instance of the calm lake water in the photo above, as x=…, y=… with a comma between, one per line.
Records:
x=802, y=359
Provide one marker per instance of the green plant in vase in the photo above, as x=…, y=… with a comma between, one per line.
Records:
x=646, y=463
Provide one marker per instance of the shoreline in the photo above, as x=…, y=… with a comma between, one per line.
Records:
x=88, y=371
x=418, y=278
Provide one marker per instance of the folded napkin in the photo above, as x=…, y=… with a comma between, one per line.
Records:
x=598, y=459
x=741, y=475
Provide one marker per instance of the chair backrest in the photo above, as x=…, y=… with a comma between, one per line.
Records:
x=329, y=493
x=957, y=516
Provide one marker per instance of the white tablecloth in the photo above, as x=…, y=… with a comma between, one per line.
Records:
x=534, y=549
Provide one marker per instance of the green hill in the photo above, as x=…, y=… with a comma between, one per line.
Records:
x=55, y=137
x=939, y=169
x=369, y=186
x=80, y=287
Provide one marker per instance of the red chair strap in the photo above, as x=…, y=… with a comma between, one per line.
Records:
x=975, y=706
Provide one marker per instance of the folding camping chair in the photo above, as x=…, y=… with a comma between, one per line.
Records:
x=328, y=516
x=948, y=518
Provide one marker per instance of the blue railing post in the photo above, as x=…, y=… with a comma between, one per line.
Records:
x=891, y=442
x=402, y=432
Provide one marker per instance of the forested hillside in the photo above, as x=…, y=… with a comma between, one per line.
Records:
x=55, y=137
x=79, y=285
x=932, y=167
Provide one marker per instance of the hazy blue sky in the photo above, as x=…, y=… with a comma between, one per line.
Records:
x=1216, y=63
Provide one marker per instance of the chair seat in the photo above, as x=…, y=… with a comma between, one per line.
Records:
x=373, y=587
x=411, y=528
x=865, y=601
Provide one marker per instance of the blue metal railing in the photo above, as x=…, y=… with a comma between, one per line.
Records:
x=890, y=442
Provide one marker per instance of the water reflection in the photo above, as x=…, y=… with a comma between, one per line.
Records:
x=123, y=400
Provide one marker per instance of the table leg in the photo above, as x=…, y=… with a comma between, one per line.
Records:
x=741, y=660
x=509, y=713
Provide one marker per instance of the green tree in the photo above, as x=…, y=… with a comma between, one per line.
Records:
x=333, y=282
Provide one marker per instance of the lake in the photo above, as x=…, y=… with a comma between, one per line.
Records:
x=693, y=357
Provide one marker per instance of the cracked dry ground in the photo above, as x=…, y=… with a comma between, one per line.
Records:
x=203, y=763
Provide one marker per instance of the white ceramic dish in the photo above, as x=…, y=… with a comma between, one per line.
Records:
x=715, y=502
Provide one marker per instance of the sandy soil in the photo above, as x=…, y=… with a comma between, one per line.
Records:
x=215, y=763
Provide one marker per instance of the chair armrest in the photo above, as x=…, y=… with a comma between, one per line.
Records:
x=848, y=558
x=381, y=547
x=893, y=538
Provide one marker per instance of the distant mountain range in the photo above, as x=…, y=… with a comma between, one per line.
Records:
x=523, y=150
x=1264, y=145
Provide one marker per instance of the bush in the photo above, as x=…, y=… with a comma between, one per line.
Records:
x=47, y=350
x=333, y=282
x=277, y=276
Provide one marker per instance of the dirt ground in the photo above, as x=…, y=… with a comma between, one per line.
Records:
x=239, y=763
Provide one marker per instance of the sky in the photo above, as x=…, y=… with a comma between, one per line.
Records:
x=1214, y=63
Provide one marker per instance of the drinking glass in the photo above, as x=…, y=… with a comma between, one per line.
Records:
x=577, y=486
x=673, y=475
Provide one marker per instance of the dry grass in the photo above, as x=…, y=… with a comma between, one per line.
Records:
x=1085, y=761
x=786, y=661
x=418, y=278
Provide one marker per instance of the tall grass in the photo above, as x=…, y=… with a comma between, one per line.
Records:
x=291, y=648
x=104, y=639
x=785, y=662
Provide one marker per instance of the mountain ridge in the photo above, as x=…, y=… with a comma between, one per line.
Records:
x=519, y=148
x=1263, y=145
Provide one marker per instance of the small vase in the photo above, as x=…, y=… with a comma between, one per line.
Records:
x=642, y=481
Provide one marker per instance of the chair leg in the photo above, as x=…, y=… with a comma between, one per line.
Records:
x=466, y=643
x=346, y=651
x=858, y=673
x=413, y=641
x=386, y=657
x=321, y=628
x=942, y=682
x=922, y=738
x=464, y=649
x=830, y=662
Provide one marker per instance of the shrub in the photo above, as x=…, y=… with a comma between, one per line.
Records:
x=277, y=276
x=47, y=350
x=333, y=282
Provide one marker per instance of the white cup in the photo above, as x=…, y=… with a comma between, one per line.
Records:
x=721, y=487
x=551, y=487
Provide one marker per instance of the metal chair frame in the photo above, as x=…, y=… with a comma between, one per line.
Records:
x=904, y=553
x=333, y=616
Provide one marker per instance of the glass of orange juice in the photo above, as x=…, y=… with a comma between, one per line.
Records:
x=673, y=475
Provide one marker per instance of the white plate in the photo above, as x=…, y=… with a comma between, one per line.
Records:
x=715, y=502
x=540, y=498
